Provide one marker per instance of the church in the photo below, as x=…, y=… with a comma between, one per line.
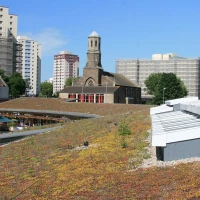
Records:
x=99, y=86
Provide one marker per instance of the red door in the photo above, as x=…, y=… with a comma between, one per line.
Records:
x=91, y=98
x=72, y=96
x=82, y=98
x=100, y=98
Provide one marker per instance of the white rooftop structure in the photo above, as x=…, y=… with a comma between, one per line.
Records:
x=176, y=128
x=94, y=34
x=65, y=52
x=164, y=120
x=160, y=109
x=173, y=127
x=181, y=100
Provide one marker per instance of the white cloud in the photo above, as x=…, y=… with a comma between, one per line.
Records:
x=51, y=40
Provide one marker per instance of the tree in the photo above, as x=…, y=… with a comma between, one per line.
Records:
x=46, y=89
x=16, y=85
x=174, y=87
x=55, y=95
x=70, y=80
x=152, y=83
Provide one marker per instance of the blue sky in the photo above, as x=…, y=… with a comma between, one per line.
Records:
x=128, y=28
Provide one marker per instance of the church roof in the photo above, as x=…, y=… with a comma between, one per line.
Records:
x=121, y=80
x=2, y=82
x=94, y=34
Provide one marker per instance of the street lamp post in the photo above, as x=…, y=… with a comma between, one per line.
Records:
x=82, y=87
x=164, y=95
x=82, y=94
x=106, y=90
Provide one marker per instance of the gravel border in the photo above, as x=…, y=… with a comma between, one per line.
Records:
x=154, y=162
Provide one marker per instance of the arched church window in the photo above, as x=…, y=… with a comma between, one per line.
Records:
x=91, y=43
x=91, y=83
x=95, y=43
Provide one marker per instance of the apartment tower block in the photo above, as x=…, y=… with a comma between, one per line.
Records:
x=65, y=65
x=31, y=64
x=10, y=50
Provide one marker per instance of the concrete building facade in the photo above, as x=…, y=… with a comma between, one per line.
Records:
x=8, y=23
x=188, y=70
x=65, y=65
x=31, y=64
x=10, y=50
x=99, y=86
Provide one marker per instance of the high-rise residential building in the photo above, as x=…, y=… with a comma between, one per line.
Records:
x=31, y=64
x=10, y=50
x=65, y=65
x=188, y=70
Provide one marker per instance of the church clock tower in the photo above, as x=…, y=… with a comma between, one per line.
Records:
x=93, y=66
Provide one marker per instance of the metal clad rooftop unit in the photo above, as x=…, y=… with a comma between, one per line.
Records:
x=177, y=133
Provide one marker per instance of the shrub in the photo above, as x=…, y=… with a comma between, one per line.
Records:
x=124, y=129
x=123, y=143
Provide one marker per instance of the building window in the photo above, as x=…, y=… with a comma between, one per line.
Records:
x=11, y=17
x=95, y=43
x=1, y=22
x=11, y=29
x=10, y=23
x=1, y=9
x=91, y=43
x=0, y=28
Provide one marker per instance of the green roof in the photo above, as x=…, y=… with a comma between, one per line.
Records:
x=4, y=119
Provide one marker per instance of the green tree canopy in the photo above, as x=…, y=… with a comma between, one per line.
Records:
x=46, y=89
x=165, y=83
x=70, y=80
x=16, y=85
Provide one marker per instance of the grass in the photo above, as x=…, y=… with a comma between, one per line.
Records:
x=51, y=166
x=61, y=105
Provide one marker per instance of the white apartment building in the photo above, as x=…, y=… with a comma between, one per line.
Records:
x=31, y=63
x=8, y=23
x=188, y=70
x=10, y=50
x=65, y=65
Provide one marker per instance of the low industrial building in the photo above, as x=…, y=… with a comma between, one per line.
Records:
x=176, y=129
x=99, y=86
x=4, y=91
